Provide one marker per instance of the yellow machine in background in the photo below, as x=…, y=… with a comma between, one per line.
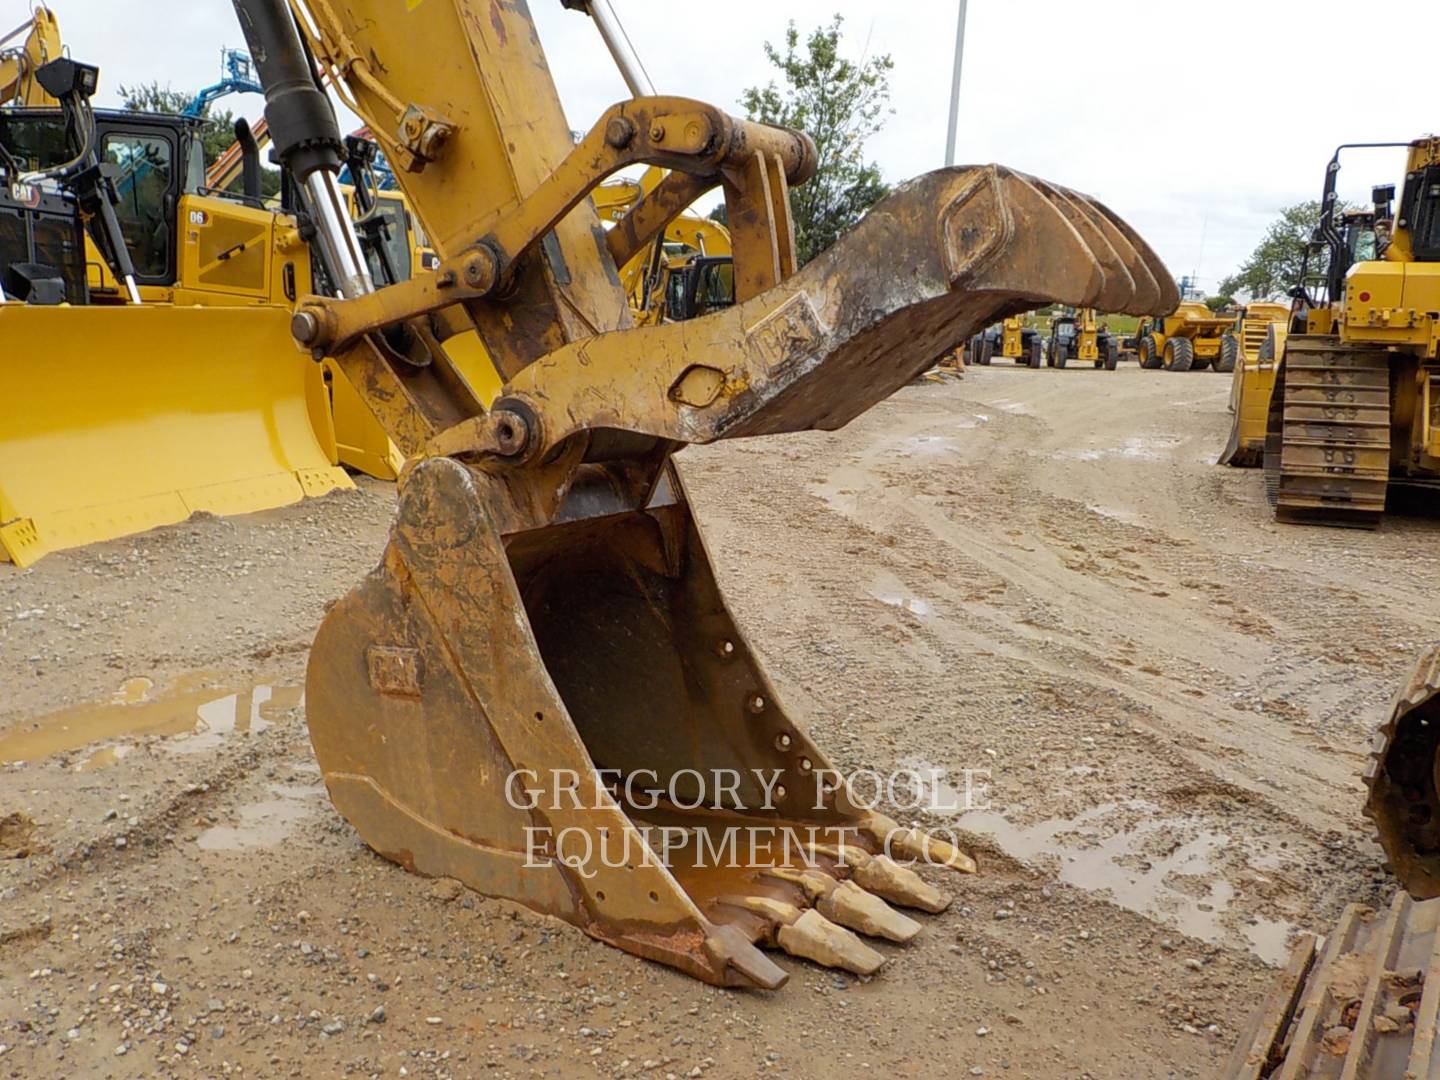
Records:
x=1188, y=339
x=1010, y=339
x=1357, y=408
x=1313, y=311
x=684, y=273
x=19, y=63
x=1249, y=351
x=146, y=365
x=1078, y=336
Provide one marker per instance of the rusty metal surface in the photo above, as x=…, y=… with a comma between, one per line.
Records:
x=546, y=601
x=1365, y=1009
x=1403, y=780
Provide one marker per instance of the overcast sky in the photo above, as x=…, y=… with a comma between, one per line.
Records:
x=1196, y=122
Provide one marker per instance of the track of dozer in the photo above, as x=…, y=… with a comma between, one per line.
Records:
x=1363, y=1007
x=1327, y=449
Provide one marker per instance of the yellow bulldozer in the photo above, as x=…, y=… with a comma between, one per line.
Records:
x=1312, y=310
x=541, y=691
x=1188, y=339
x=1356, y=399
x=147, y=369
x=1364, y=1004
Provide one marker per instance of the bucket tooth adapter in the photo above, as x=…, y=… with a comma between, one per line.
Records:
x=541, y=691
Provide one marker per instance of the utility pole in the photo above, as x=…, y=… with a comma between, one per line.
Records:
x=955, y=88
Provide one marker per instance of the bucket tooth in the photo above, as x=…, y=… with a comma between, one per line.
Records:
x=912, y=843
x=809, y=935
x=849, y=905
x=816, y=938
x=886, y=878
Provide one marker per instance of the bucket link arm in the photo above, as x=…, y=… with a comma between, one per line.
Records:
x=966, y=247
x=753, y=161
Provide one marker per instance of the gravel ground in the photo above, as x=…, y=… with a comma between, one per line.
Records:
x=1036, y=573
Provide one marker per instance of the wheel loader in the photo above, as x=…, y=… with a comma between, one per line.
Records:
x=1188, y=339
x=1010, y=339
x=540, y=691
x=1364, y=1004
x=1079, y=337
x=1356, y=400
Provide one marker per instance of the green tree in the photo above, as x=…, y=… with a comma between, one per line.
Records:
x=839, y=104
x=1274, y=266
x=1219, y=303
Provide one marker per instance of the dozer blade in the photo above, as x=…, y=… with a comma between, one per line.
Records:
x=541, y=691
x=118, y=419
x=1364, y=1008
x=1403, y=777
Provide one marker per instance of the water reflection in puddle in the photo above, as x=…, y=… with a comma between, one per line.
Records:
x=890, y=590
x=203, y=716
x=1160, y=867
x=267, y=823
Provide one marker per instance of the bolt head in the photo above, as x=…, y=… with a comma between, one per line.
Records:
x=619, y=132
x=304, y=327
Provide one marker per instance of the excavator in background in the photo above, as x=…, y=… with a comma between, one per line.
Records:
x=1187, y=339
x=546, y=608
x=688, y=270
x=20, y=62
x=1078, y=336
x=1356, y=398
x=1011, y=339
x=1364, y=1004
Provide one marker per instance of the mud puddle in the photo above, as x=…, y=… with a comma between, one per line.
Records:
x=1161, y=867
x=268, y=822
x=196, y=714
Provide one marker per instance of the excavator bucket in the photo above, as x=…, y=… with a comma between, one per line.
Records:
x=1403, y=778
x=541, y=691
x=119, y=419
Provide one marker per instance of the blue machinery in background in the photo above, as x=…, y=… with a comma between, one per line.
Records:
x=237, y=76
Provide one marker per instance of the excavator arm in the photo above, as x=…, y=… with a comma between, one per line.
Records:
x=19, y=63
x=546, y=608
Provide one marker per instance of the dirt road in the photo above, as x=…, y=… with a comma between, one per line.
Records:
x=1040, y=574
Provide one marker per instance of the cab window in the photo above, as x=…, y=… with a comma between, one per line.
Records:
x=144, y=174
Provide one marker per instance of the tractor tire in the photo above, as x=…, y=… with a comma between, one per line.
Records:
x=1037, y=352
x=1145, y=351
x=1062, y=354
x=1112, y=355
x=987, y=352
x=1179, y=354
x=1229, y=353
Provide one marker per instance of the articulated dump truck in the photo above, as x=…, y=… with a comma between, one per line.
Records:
x=1365, y=1002
x=545, y=620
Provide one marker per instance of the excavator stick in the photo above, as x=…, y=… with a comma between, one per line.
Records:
x=155, y=413
x=540, y=691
